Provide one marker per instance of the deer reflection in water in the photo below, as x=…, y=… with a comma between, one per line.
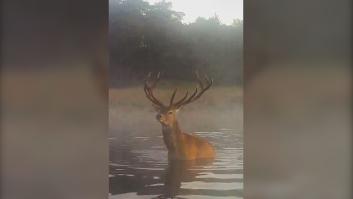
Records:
x=168, y=184
x=179, y=171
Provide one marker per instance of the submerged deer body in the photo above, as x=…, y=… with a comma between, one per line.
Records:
x=180, y=145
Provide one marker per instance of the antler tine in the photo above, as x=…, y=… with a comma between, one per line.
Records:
x=206, y=78
x=181, y=100
x=196, y=95
x=154, y=83
x=198, y=79
x=172, y=98
x=150, y=96
x=148, y=89
x=188, y=100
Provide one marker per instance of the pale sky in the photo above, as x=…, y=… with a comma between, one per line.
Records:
x=227, y=10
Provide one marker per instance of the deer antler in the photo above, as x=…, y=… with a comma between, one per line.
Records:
x=150, y=84
x=196, y=95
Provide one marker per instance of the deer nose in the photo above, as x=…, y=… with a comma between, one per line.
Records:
x=158, y=116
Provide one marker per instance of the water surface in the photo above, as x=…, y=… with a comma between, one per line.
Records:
x=139, y=169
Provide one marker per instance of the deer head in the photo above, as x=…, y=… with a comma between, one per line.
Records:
x=166, y=114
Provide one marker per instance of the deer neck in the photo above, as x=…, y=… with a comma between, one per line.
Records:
x=171, y=136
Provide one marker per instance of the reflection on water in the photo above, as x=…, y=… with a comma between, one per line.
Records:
x=139, y=169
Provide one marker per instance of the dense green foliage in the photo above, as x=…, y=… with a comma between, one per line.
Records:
x=146, y=38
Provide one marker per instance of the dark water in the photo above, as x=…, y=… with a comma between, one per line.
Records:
x=139, y=169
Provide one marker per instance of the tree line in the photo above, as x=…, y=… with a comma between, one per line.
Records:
x=149, y=38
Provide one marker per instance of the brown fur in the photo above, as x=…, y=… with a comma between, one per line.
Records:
x=180, y=145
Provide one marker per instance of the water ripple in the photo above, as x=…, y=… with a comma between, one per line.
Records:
x=139, y=169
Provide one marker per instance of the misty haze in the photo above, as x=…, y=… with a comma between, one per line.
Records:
x=152, y=38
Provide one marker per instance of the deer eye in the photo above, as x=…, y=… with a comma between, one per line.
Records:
x=170, y=112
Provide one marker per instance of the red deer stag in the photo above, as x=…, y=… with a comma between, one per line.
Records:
x=180, y=145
